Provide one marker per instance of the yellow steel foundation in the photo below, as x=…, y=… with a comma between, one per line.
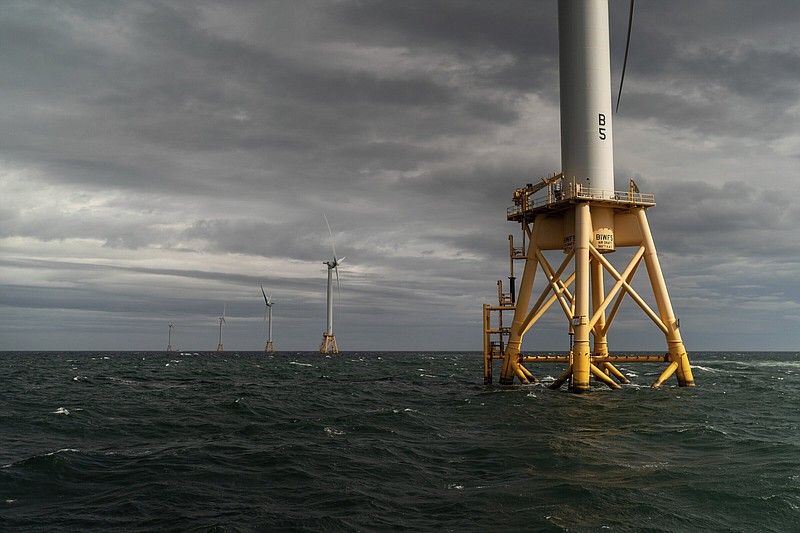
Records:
x=587, y=225
x=328, y=344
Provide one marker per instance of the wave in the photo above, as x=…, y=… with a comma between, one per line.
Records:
x=401, y=442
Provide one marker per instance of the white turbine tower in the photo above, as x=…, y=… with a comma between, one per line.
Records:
x=221, y=321
x=328, y=338
x=169, y=338
x=269, y=348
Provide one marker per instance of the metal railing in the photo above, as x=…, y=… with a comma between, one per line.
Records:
x=555, y=194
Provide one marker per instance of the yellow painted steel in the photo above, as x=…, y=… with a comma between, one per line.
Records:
x=622, y=280
x=673, y=366
x=590, y=311
x=527, y=373
x=581, y=348
x=509, y=368
x=611, y=369
x=598, y=321
x=562, y=378
x=604, y=378
x=677, y=352
x=328, y=344
x=544, y=359
x=487, y=340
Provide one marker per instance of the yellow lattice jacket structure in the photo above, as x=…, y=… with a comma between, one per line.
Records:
x=574, y=219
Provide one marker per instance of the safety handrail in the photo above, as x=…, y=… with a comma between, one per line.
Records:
x=558, y=195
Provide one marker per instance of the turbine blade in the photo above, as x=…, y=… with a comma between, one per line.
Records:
x=265, y=294
x=331, y=235
x=625, y=61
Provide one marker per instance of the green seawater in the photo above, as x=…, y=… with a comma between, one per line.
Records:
x=371, y=441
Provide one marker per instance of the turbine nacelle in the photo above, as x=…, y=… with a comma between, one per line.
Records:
x=335, y=263
x=267, y=299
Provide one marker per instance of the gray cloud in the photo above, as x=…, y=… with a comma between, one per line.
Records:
x=162, y=159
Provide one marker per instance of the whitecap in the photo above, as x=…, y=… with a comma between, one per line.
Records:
x=61, y=411
x=333, y=432
x=299, y=364
x=73, y=450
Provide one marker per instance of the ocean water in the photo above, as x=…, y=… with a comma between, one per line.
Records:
x=390, y=442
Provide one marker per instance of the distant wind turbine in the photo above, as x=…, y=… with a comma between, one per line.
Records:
x=269, y=348
x=328, y=338
x=221, y=321
x=169, y=338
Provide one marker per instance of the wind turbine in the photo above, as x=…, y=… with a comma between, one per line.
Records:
x=169, y=338
x=328, y=338
x=269, y=348
x=221, y=321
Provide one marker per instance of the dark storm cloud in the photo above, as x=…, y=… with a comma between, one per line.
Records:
x=715, y=68
x=730, y=220
x=468, y=29
x=176, y=86
x=518, y=27
x=167, y=156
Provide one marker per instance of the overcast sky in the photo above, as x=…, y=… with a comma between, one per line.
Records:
x=161, y=159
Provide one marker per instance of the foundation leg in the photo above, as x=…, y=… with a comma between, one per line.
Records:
x=598, y=295
x=609, y=368
x=677, y=352
x=511, y=359
x=581, y=360
x=562, y=378
x=604, y=378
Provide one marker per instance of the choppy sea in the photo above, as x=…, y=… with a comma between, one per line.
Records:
x=135, y=441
